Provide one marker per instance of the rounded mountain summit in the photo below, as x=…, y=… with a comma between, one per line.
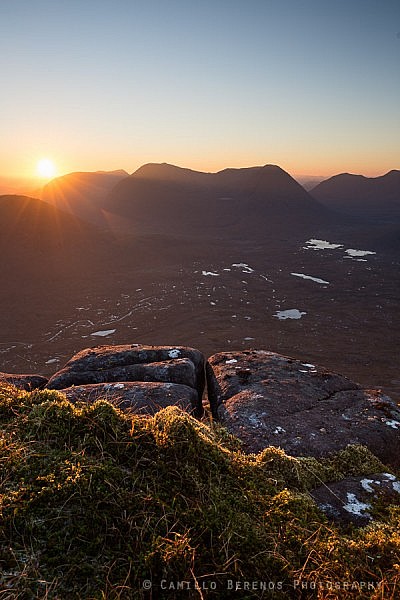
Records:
x=162, y=198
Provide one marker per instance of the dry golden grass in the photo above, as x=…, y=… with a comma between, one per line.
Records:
x=96, y=504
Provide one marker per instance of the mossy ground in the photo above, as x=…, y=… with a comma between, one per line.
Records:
x=94, y=504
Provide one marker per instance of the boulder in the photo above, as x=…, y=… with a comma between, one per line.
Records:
x=24, y=382
x=106, y=364
x=181, y=370
x=267, y=399
x=350, y=500
x=137, y=397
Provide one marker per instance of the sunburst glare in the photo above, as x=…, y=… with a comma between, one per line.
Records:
x=45, y=168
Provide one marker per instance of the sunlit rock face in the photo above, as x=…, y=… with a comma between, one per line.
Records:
x=122, y=365
x=268, y=399
x=24, y=382
x=143, y=398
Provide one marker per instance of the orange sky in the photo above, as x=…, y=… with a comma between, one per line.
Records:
x=310, y=86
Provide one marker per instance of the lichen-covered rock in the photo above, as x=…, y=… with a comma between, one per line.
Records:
x=267, y=399
x=350, y=500
x=102, y=364
x=137, y=397
x=181, y=371
x=24, y=382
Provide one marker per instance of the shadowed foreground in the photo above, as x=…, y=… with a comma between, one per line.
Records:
x=99, y=504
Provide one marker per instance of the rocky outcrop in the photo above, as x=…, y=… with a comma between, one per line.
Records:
x=350, y=500
x=267, y=399
x=137, y=397
x=263, y=398
x=178, y=365
x=181, y=371
x=24, y=382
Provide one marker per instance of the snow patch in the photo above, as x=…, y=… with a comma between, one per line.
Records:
x=206, y=273
x=314, y=244
x=231, y=361
x=292, y=313
x=174, y=353
x=103, y=333
x=316, y=279
x=357, y=253
x=392, y=423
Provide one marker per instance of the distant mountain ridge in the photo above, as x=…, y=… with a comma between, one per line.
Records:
x=170, y=199
x=371, y=197
x=166, y=199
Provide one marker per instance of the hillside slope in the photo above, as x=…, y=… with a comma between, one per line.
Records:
x=81, y=193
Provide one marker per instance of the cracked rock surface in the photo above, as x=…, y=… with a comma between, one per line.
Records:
x=181, y=371
x=164, y=376
x=267, y=399
x=145, y=398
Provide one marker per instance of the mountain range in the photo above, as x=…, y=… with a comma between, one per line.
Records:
x=162, y=198
x=165, y=198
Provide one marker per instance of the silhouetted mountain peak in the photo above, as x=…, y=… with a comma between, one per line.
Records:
x=170, y=199
x=395, y=173
x=116, y=173
x=374, y=197
x=169, y=173
x=271, y=176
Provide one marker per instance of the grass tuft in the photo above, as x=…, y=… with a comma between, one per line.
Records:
x=96, y=504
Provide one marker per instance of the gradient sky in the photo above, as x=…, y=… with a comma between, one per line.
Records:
x=311, y=85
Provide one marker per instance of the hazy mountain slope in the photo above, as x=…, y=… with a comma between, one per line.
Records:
x=370, y=197
x=31, y=224
x=81, y=193
x=41, y=244
x=168, y=199
x=309, y=181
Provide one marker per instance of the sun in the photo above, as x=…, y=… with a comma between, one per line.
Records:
x=46, y=168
